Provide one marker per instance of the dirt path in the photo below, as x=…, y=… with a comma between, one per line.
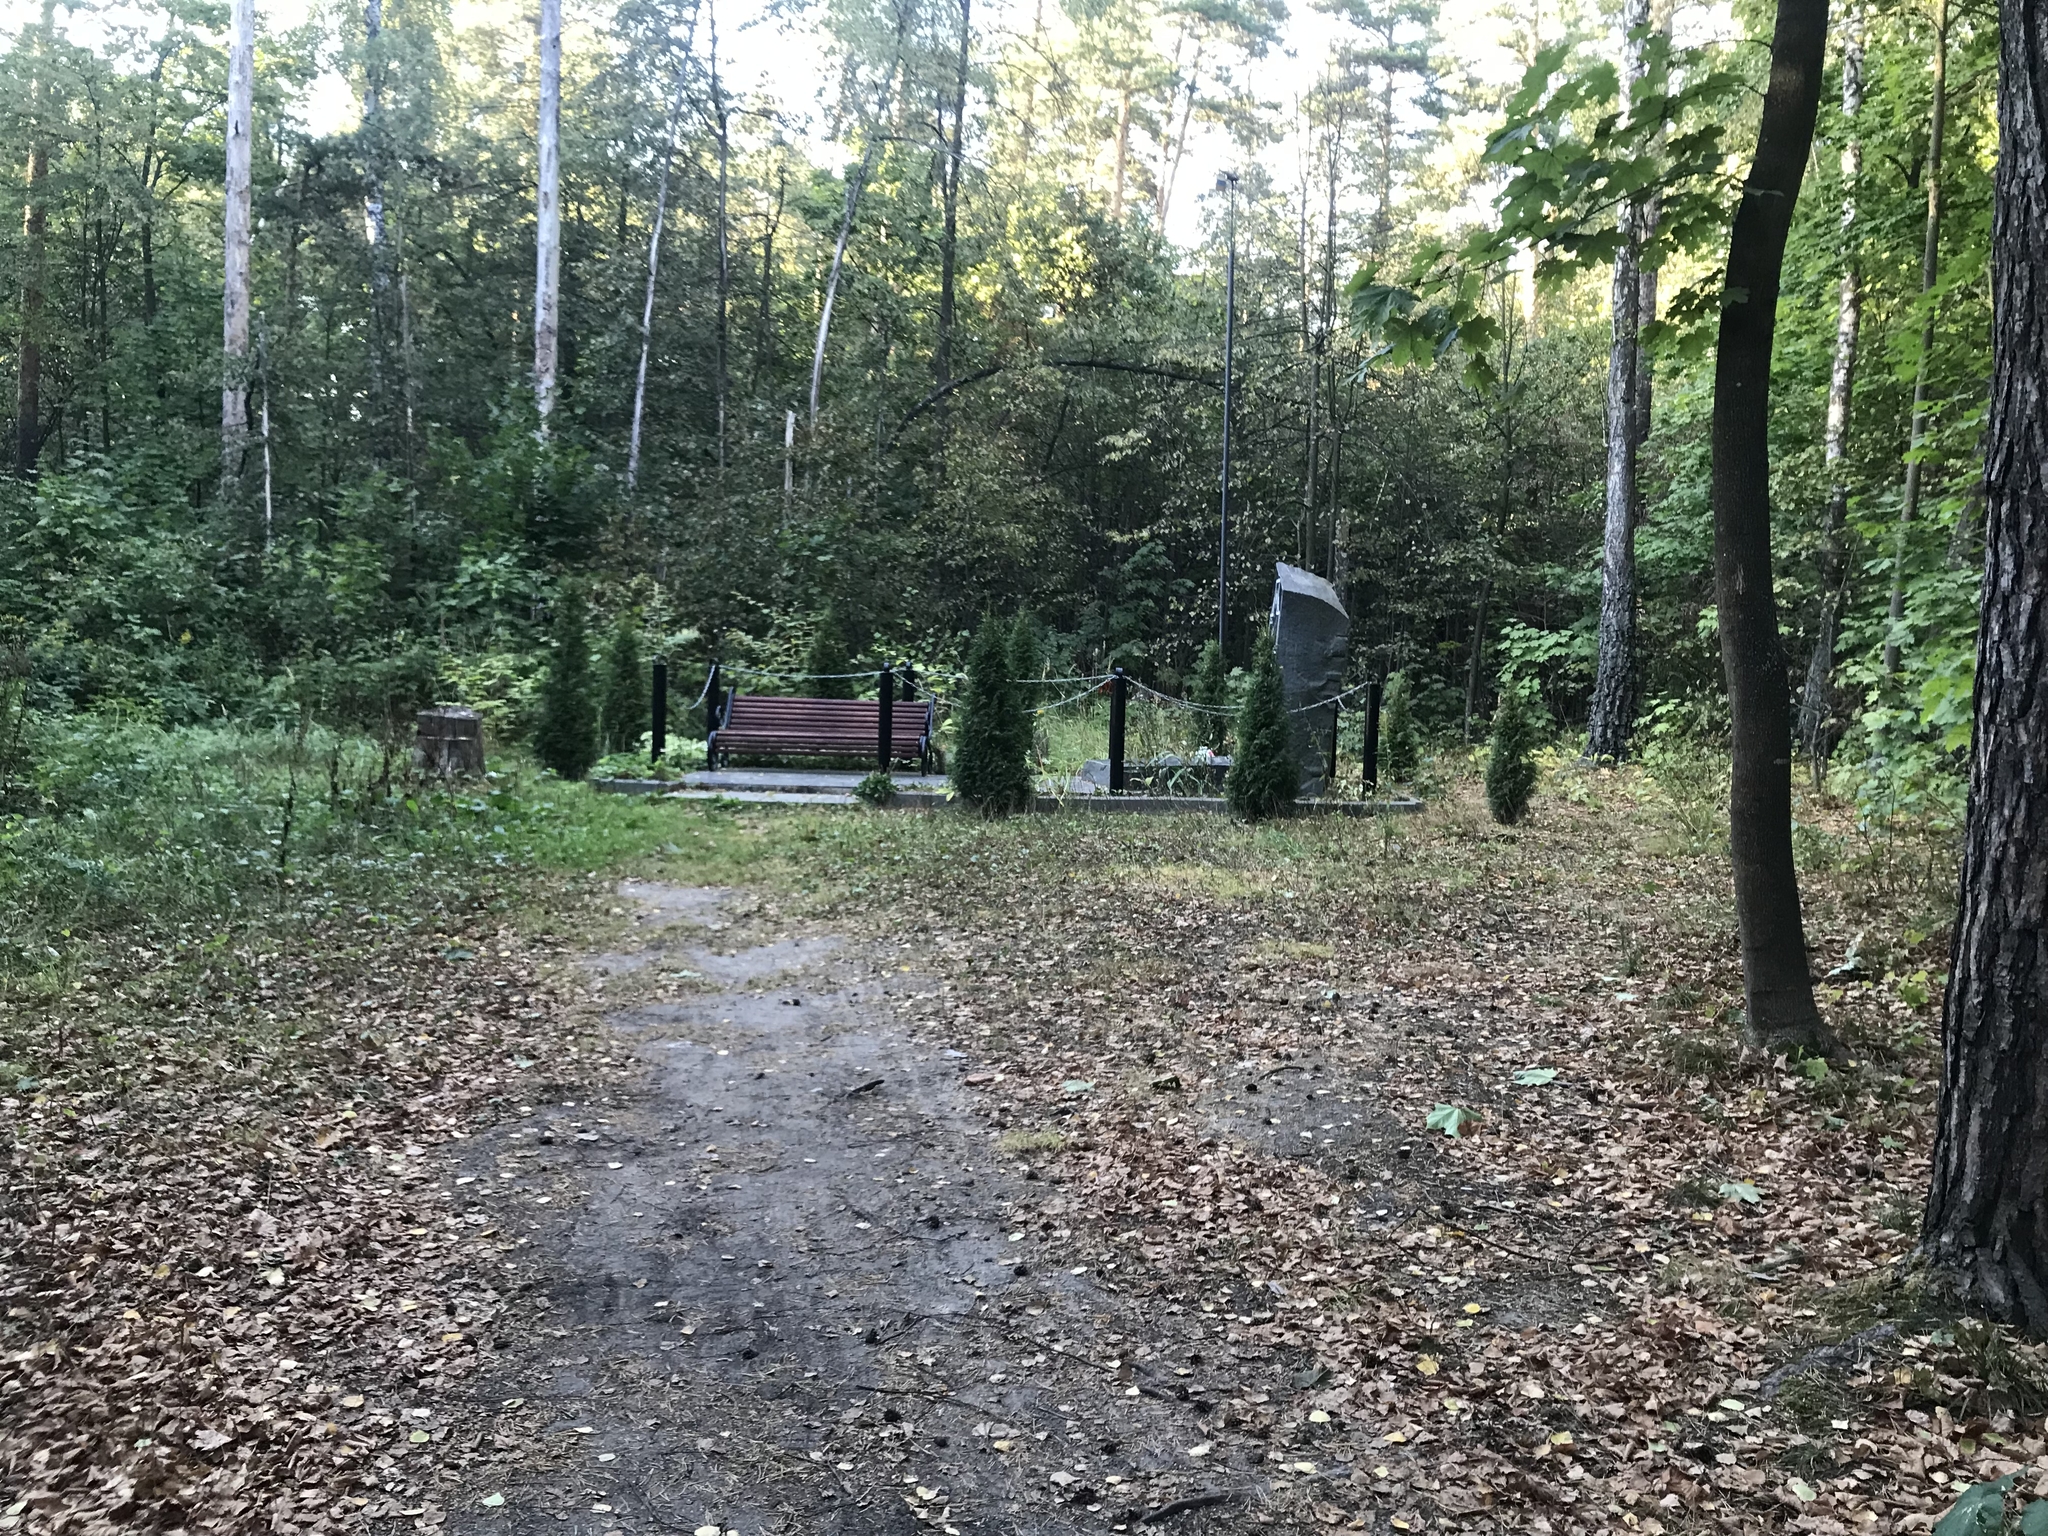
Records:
x=783, y=1288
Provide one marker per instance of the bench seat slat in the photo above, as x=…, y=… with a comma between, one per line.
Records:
x=768, y=723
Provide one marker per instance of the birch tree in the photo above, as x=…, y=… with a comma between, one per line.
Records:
x=234, y=395
x=548, y=214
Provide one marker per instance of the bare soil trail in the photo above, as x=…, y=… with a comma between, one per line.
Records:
x=788, y=1288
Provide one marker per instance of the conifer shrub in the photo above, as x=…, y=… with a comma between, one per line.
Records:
x=989, y=768
x=566, y=742
x=1264, y=775
x=1027, y=659
x=623, y=716
x=1511, y=758
x=1400, y=741
x=827, y=659
x=1210, y=686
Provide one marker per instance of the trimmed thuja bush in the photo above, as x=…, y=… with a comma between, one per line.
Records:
x=1511, y=758
x=566, y=742
x=989, y=767
x=1210, y=685
x=1400, y=742
x=624, y=716
x=1263, y=775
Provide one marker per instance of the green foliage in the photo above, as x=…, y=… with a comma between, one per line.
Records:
x=1027, y=659
x=828, y=660
x=1264, y=777
x=566, y=741
x=623, y=714
x=878, y=788
x=1210, y=687
x=1511, y=758
x=1400, y=737
x=988, y=766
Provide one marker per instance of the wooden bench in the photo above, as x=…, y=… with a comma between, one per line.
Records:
x=761, y=725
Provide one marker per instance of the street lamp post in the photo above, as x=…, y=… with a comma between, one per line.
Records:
x=1227, y=183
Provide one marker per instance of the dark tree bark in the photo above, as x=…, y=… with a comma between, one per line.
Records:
x=949, y=236
x=1986, y=1227
x=1776, y=984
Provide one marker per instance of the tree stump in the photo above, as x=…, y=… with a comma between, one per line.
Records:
x=451, y=743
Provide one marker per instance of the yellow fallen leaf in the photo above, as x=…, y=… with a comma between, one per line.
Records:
x=353, y=1400
x=1426, y=1364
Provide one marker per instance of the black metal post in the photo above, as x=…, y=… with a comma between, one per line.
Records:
x=909, y=676
x=885, y=728
x=660, y=708
x=1369, y=749
x=711, y=708
x=1119, y=692
x=1336, y=726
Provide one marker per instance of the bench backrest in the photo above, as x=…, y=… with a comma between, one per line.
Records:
x=755, y=714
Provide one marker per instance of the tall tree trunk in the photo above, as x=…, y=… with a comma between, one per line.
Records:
x=28, y=383
x=1123, y=153
x=1776, y=984
x=949, y=230
x=375, y=137
x=721, y=122
x=1986, y=1225
x=764, y=317
x=854, y=186
x=547, y=283
x=234, y=393
x=1611, y=719
x=1930, y=272
x=1163, y=198
x=1816, y=699
x=668, y=155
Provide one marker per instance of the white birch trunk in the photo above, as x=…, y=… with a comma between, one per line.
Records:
x=548, y=213
x=854, y=186
x=668, y=154
x=1612, y=715
x=234, y=395
x=1816, y=699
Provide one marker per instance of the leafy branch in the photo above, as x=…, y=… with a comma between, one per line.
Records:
x=1574, y=155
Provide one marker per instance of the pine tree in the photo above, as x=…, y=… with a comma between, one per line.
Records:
x=566, y=742
x=989, y=770
x=623, y=716
x=828, y=658
x=1400, y=742
x=1264, y=776
x=1511, y=758
x=1210, y=687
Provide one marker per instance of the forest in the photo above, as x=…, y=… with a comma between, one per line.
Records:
x=1626, y=1116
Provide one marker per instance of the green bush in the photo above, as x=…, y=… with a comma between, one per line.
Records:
x=1264, y=776
x=878, y=788
x=623, y=716
x=1400, y=741
x=989, y=767
x=1210, y=686
x=566, y=742
x=827, y=659
x=1511, y=759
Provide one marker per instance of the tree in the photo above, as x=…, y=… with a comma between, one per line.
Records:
x=1511, y=758
x=1400, y=741
x=828, y=660
x=234, y=393
x=566, y=742
x=1781, y=1014
x=547, y=283
x=1264, y=775
x=1615, y=686
x=988, y=767
x=1986, y=1224
x=623, y=716
x=28, y=385
x=1816, y=698
x=1210, y=688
